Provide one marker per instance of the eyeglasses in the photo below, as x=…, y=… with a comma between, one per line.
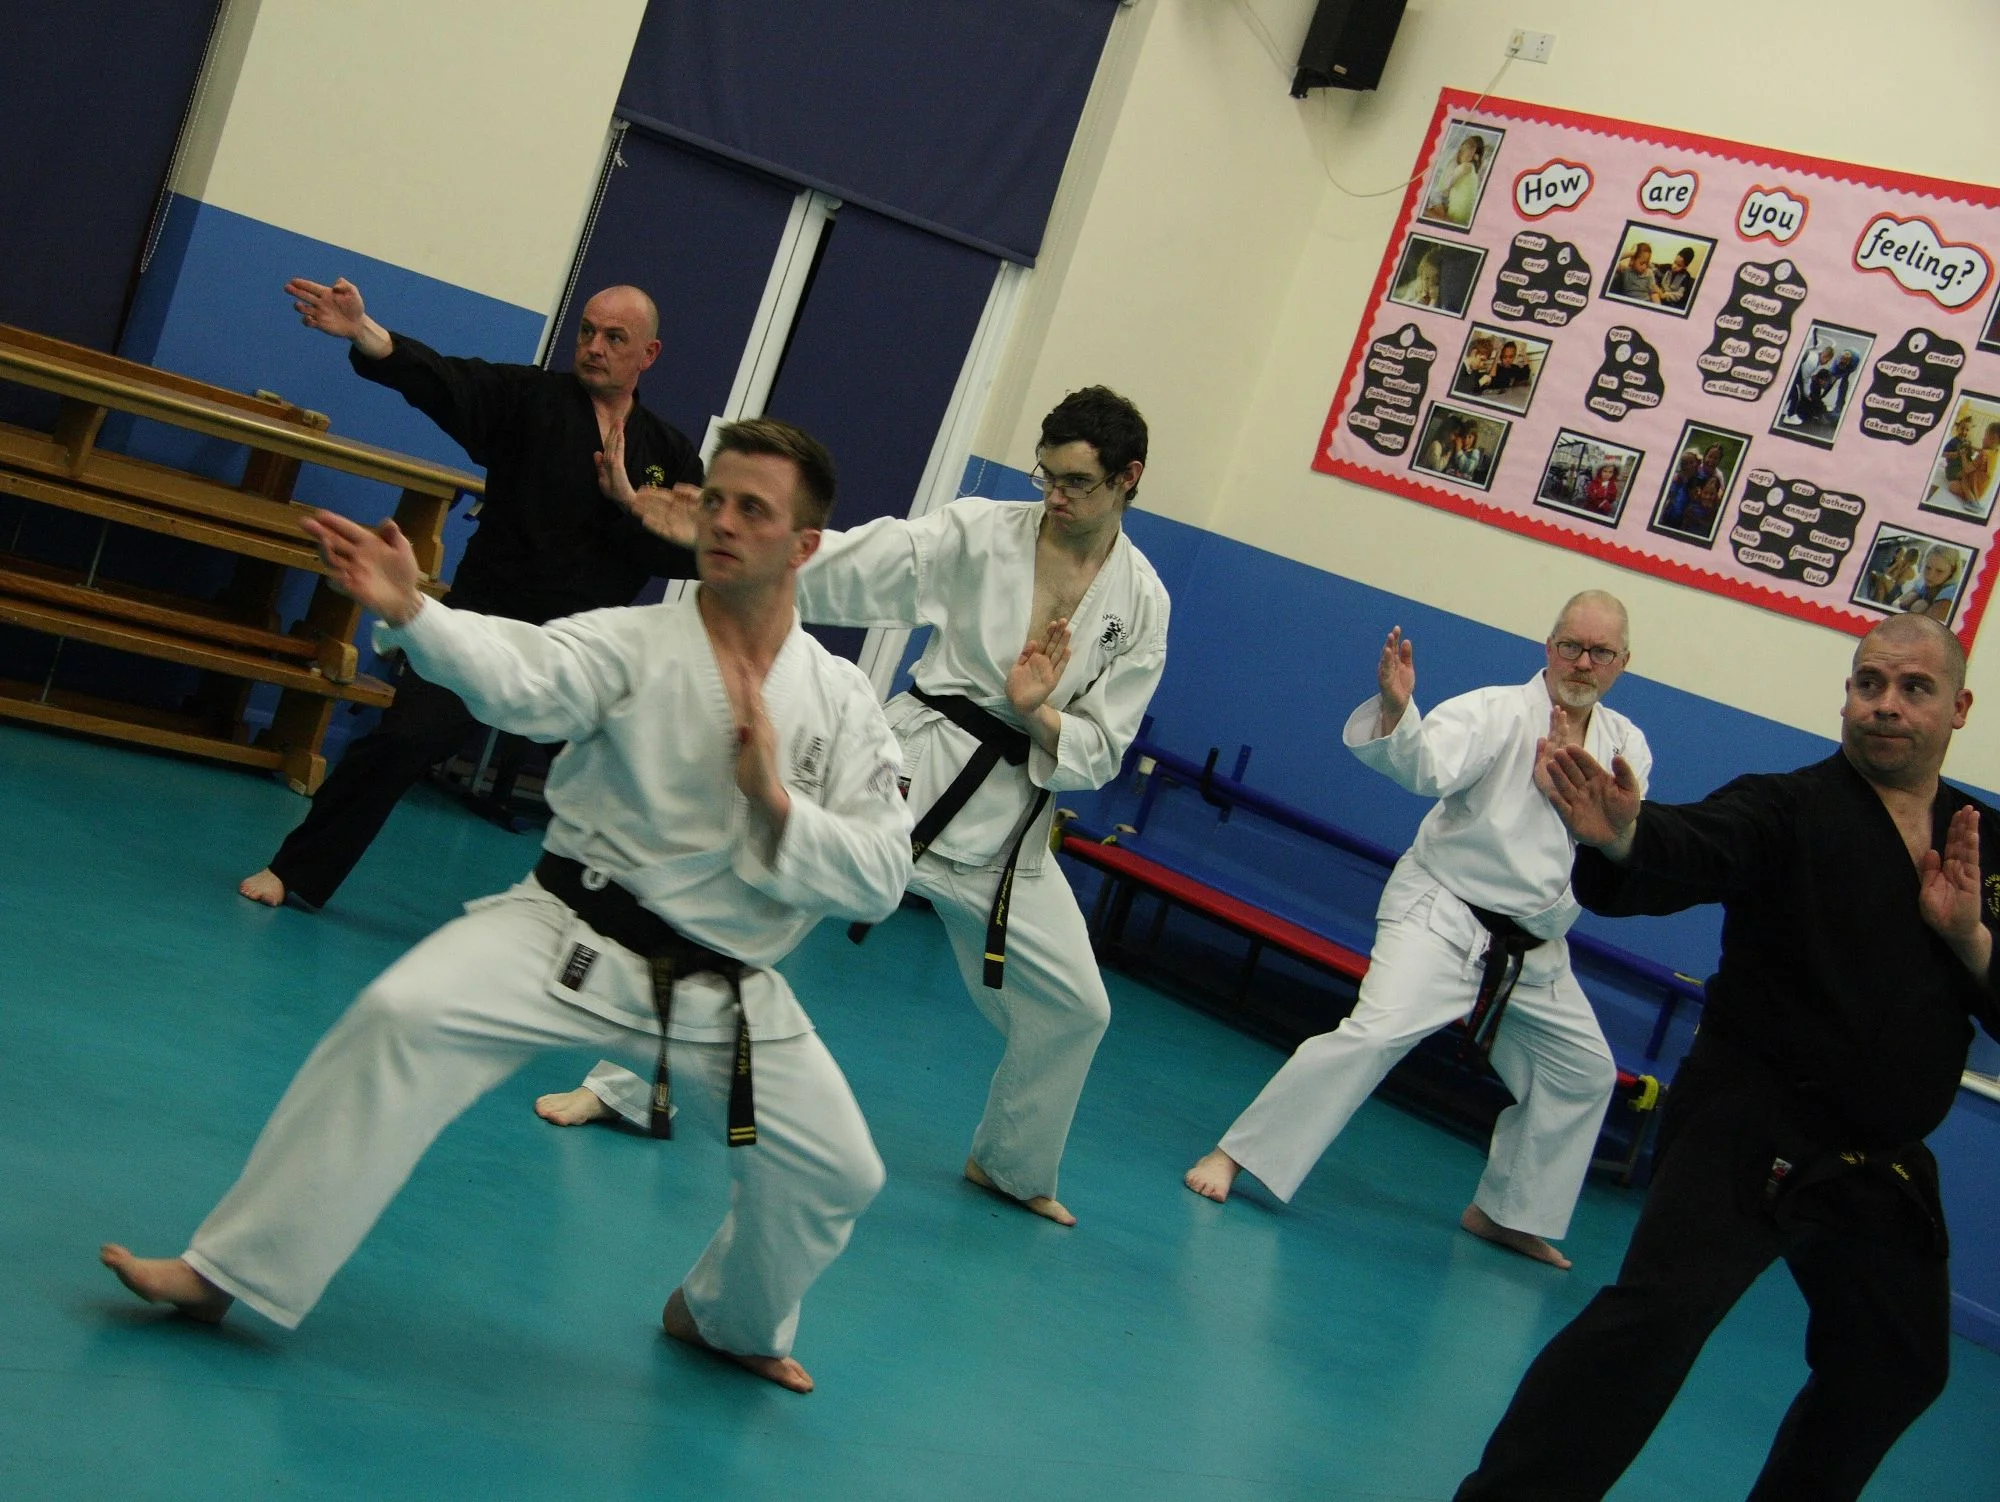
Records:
x=1601, y=657
x=1072, y=487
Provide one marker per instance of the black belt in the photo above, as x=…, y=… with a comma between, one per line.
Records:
x=998, y=741
x=671, y=956
x=1506, y=953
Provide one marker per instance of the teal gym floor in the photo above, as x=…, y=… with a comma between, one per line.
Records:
x=497, y=1336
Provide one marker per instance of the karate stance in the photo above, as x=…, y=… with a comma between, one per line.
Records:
x=1471, y=926
x=727, y=782
x=990, y=730
x=1857, y=950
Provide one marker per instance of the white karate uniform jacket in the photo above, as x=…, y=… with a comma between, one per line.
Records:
x=645, y=792
x=972, y=564
x=1492, y=840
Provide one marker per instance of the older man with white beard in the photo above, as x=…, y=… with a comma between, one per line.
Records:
x=1470, y=926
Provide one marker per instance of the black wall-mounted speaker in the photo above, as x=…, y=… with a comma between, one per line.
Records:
x=1347, y=45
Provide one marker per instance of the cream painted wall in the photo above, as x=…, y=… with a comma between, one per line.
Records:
x=457, y=138
x=1200, y=282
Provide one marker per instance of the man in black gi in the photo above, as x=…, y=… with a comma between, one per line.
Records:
x=1860, y=897
x=551, y=542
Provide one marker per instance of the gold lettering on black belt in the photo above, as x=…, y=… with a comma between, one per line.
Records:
x=1506, y=953
x=997, y=741
x=671, y=957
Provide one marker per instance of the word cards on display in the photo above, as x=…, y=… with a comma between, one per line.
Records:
x=1770, y=376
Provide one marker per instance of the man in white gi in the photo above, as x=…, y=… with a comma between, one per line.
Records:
x=991, y=729
x=726, y=783
x=1481, y=900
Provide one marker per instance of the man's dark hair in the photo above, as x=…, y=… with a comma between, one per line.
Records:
x=812, y=503
x=1102, y=418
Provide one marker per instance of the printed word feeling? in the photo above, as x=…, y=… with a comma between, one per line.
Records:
x=1558, y=185
x=1668, y=193
x=1911, y=252
x=1772, y=212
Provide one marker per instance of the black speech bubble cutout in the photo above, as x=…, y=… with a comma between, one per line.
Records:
x=1629, y=380
x=1752, y=330
x=1794, y=530
x=1394, y=376
x=1912, y=388
x=1545, y=281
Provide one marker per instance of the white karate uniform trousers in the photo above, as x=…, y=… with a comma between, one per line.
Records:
x=1052, y=1012
x=455, y=1017
x=1423, y=974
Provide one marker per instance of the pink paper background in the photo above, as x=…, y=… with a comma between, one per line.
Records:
x=1842, y=200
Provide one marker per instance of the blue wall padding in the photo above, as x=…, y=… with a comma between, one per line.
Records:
x=211, y=306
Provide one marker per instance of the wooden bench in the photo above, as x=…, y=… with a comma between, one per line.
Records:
x=234, y=640
x=1127, y=873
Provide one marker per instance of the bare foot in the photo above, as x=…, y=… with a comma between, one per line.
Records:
x=167, y=1280
x=1041, y=1204
x=784, y=1371
x=1480, y=1224
x=571, y=1107
x=264, y=887
x=1212, y=1175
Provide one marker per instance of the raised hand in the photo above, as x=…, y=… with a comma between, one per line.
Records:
x=1038, y=669
x=1565, y=725
x=375, y=568
x=677, y=513
x=1396, y=676
x=672, y=514
x=757, y=748
x=339, y=311
x=611, y=476
x=336, y=310
x=1600, y=808
x=1948, y=891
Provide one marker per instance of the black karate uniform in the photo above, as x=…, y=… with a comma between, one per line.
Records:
x=1834, y=1036
x=549, y=543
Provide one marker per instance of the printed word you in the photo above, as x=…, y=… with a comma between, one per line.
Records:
x=1770, y=211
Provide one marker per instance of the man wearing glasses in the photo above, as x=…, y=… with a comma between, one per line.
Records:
x=1471, y=926
x=1050, y=637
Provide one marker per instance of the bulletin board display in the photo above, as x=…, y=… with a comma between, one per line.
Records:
x=1770, y=376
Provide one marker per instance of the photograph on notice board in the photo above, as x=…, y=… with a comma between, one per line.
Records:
x=1499, y=368
x=1658, y=268
x=1451, y=197
x=1704, y=466
x=1910, y=573
x=1967, y=470
x=1588, y=477
x=1831, y=364
x=1460, y=445
x=1437, y=274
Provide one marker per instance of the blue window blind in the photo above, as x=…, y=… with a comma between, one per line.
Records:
x=952, y=115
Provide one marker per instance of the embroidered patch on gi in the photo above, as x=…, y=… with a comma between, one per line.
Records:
x=809, y=761
x=581, y=958
x=1993, y=895
x=656, y=476
x=1114, y=632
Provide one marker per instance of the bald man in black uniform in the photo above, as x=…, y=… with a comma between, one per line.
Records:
x=552, y=540
x=1860, y=899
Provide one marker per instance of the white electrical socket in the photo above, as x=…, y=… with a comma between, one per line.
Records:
x=1531, y=46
